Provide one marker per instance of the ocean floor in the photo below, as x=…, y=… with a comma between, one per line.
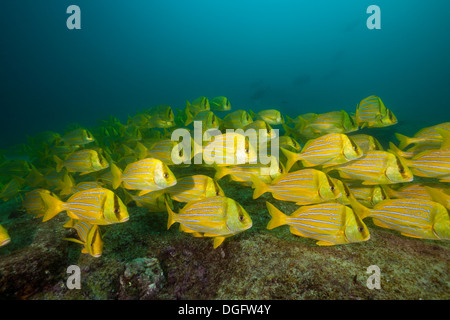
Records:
x=143, y=260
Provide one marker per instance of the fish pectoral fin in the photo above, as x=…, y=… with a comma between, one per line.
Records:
x=217, y=241
x=74, y=240
x=142, y=192
x=296, y=232
x=411, y=235
x=183, y=228
x=380, y=224
x=324, y=243
x=197, y=235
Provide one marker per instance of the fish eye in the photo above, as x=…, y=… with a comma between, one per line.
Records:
x=166, y=175
x=332, y=188
x=360, y=229
x=217, y=192
x=241, y=218
x=180, y=153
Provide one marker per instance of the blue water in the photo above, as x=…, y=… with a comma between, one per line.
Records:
x=297, y=56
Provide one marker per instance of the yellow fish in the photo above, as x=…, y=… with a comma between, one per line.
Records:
x=11, y=189
x=4, y=236
x=161, y=117
x=412, y=217
x=78, y=137
x=154, y=201
x=289, y=143
x=270, y=116
x=307, y=186
x=413, y=151
x=90, y=238
x=208, y=119
x=432, y=163
x=96, y=206
x=328, y=150
x=262, y=129
x=146, y=175
x=33, y=203
x=330, y=223
x=411, y=190
x=429, y=136
x=369, y=195
x=168, y=151
x=197, y=105
x=196, y=187
x=84, y=161
x=243, y=173
x=366, y=142
x=236, y=120
x=375, y=167
x=343, y=190
x=220, y=104
x=314, y=125
x=229, y=149
x=371, y=112
x=218, y=217
x=140, y=120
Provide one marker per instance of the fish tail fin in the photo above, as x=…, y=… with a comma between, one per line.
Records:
x=288, y=130
x=404, y=141
x=53, y=206
x=221, y=171
x=171, y=219
x=289, y=120
x=66, y=185
x=278, y=217
x=391, y=193
x=189, y=116
x=252, y=114
x=141, y=150
x=259, y=185
x=446, y=138
x=394, y=149
x=117, y=176
x=59, y=163
x=292, y=158
x=358, y=208
x=435, y=194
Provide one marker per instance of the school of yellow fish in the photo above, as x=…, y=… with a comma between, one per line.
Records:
x=338, y=178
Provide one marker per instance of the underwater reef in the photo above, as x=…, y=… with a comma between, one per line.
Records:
x=143, y=260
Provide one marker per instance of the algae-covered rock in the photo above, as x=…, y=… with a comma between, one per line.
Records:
x=142, y=279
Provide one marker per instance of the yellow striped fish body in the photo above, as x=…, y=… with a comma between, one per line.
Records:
x=15, y=167
x=229, y=149
x=343, y=190
x=86, y=185
x=366, y=142
x=329, y=223
x=429, y=136
x=84, y=161
x=369, y=195
x=4, y=236
x=89, y=237
x=412, y=217
x=154, y=201
x=236, y=120
x=270, y=116
x=307, y=186
x=432, y=163
x=96, y=206
x=140, y=120
x=11, y=189
x=410, y=190
x=220, y=104
x=131, y=133
x=372, y=112
x=196, y=187
x=375, y=167
x=327, y=150
x=243, y=173
x=146, y=175
x=62, y=150
x=33, y=203
x=164, y=111
x=159, y=121
x=78, y=136
x=413, y=151
x=105, y=177
x=168, y=151
x=330, y=122
x=217, y=217
x=54, y=179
